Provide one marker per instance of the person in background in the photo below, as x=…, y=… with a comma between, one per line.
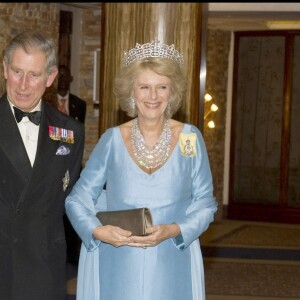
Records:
x=67, y=102
x=41, y=151
x=150, y=161
x=75, y=107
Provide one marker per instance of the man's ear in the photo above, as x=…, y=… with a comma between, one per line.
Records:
x=51, y=77
x=5, y=70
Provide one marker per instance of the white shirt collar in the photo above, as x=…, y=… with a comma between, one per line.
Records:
x=37, y=107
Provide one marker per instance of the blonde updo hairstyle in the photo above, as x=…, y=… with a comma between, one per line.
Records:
x=124, y=83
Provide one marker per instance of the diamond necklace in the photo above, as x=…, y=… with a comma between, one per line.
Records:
x=150, y=157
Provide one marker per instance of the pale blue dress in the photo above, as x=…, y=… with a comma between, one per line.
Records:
x=180, y=191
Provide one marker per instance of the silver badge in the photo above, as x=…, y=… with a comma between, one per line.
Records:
x=66, y=180
x=62, y=150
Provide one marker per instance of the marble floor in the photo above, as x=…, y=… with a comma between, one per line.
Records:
x=244, y=261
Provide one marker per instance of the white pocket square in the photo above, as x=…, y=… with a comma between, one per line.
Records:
x=62, y=150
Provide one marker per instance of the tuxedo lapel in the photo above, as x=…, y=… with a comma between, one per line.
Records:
x=11, y=141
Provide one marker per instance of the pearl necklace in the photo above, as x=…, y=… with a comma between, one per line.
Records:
x=151, y=157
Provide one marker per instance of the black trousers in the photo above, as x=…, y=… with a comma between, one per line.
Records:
x=73, y=242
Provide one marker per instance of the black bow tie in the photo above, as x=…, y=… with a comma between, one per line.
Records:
x=34, y=117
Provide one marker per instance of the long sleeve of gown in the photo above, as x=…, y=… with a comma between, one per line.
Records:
x=87, y=196
x=200, y=212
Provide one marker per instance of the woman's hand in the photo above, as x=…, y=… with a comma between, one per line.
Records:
x=156, y=235
x=113, y=235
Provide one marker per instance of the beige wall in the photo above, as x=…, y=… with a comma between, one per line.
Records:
x=218, y=46
x=90, y=41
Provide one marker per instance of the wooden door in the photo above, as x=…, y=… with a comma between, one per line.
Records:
x=65, y=35
x=265, y=141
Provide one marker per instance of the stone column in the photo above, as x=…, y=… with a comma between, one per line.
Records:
x=124, y=25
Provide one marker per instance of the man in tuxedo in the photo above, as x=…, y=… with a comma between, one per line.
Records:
x=67, y=102
x=75, y=107
x=41, y=151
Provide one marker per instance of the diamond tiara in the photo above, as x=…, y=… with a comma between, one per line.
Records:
x=153, y=49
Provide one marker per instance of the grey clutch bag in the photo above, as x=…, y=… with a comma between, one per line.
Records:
x=135, y=220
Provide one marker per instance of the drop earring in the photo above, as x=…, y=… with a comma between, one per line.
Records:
x=132, y=103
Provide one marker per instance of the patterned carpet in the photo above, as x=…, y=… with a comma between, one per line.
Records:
x=261, y=235
x=251, y=260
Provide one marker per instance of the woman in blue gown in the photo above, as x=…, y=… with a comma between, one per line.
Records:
x=151, y=161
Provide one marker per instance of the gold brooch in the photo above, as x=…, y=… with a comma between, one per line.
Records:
x=187, y=143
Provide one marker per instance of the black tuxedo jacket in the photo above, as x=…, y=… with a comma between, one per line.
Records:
x=77, y=108
x=32, y=237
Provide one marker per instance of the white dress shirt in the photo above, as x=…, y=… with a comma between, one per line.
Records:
x=29, y=133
